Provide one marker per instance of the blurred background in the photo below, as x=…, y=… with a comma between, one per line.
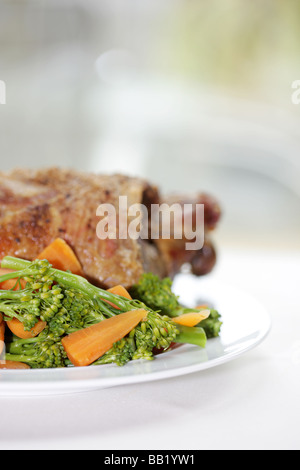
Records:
x=195, y=95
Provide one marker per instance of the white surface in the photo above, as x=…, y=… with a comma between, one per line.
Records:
x=249, y=403
x=243, y=329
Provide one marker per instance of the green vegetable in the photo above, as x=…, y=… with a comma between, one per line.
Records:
x=156, y=293
x=67, y=302
x=40, y=271
x=43, y=352
x=64, y=309
x=195, y=335
x=212, y=325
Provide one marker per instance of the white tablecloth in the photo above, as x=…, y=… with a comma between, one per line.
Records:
x=252, y=402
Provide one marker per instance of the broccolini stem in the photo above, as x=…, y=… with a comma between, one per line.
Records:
x=8, y=276
x=19, y=358
x=67, y=280
x=13, y=295
x=191, y=335
x=16, y=345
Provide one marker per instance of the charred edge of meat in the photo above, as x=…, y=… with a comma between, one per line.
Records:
x=167, y=257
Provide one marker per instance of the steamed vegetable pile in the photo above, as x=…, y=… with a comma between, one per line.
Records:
x=53, y=318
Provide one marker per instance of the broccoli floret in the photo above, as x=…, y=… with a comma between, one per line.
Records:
x=212, y=325
x=156, y=293
x=77, y=311
x=120, y=354
x=43, y=352
x=28, y=304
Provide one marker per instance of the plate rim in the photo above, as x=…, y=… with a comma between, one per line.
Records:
x=18, y=386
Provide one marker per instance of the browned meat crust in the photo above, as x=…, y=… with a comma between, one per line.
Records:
x=39, y=206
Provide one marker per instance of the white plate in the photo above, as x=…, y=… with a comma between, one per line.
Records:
x=245, y=325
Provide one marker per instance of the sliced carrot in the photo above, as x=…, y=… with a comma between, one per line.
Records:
x=62, y=257
x=11, y=283
x=17, y=328
x=2, y=333
x=192, y=318
x=86, y=346
x=120, y=290
x=13, y=365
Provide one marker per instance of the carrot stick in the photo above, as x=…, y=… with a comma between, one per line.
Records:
x=13, y=365
x=62, y=257
x=2, y=333
x=86, y=346
x=120, y=290
x=17, y=328
x=192, y=318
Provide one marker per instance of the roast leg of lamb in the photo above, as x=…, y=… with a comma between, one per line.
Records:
x=38, y=206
